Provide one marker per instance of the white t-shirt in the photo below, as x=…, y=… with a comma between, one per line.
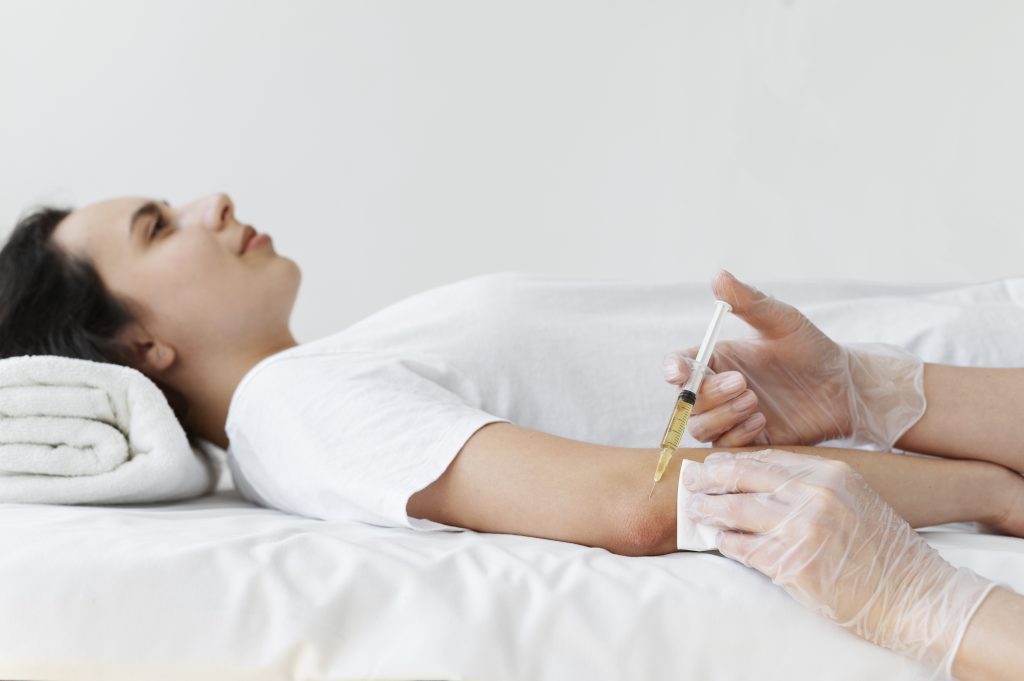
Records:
x=352, y=425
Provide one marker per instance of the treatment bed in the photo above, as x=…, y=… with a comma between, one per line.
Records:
x=218, y=588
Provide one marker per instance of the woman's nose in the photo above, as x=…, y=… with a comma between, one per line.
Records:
x=220, y=209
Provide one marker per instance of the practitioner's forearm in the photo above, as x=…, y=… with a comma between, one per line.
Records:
x=923, y=491
x=971, y=414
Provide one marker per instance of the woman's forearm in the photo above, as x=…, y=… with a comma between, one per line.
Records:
x=922, y=490
x=992, y=648
x=971, y=413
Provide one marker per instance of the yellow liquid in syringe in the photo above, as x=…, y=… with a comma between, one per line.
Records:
x=674, y=431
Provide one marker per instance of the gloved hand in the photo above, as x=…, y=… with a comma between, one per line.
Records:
x=809, y=388
x=817, y=529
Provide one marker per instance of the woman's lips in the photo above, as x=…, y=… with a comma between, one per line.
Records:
x=256, y=242
x=247, y=234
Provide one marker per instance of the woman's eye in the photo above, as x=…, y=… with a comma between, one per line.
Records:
x=157, y=226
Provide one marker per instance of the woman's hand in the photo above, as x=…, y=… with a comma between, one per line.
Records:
x=815, y=528
x=809, y=388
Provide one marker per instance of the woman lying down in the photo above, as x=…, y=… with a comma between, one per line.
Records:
x=524, y=404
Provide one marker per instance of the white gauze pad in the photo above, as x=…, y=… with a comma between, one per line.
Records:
x=689, y=535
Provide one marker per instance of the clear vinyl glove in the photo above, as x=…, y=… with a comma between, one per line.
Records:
x=807, y=387
x=817, y=529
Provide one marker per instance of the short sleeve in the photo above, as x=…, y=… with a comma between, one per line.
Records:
x=350, y=435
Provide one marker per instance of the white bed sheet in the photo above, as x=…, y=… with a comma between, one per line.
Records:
x=219, y=589
x=216, y=588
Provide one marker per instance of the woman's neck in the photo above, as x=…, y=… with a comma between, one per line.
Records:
x=209, y=390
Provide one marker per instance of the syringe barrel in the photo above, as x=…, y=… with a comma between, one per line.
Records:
x=696, y=376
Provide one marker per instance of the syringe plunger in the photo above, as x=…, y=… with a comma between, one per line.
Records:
x=707, y=346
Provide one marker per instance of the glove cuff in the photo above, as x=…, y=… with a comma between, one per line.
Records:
x=947, y=663
x=935, y=624
x=887, y=397
x=925, y=613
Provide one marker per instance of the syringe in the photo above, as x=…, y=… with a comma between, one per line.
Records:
x=688, y=396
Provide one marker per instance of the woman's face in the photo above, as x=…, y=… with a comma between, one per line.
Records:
x=183, y=266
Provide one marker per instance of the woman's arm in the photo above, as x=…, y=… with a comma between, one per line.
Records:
x=923, y=491
x=514, y=480
x=972, y=413
x=993, y=645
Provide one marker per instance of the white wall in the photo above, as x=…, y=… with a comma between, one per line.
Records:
x=394, y=146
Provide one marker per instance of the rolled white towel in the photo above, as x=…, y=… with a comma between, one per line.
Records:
x=74, y=431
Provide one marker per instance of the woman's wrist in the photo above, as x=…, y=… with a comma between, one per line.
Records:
x=1001, y=508
x=982, y=491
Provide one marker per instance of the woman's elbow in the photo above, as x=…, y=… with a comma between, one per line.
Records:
x=645, y=530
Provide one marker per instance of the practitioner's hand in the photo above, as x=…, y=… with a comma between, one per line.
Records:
x=817, y=529
x=808, y=387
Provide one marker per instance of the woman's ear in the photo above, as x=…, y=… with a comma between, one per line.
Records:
x=147, y=353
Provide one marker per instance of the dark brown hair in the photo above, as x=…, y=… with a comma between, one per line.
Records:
x=55, y=303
